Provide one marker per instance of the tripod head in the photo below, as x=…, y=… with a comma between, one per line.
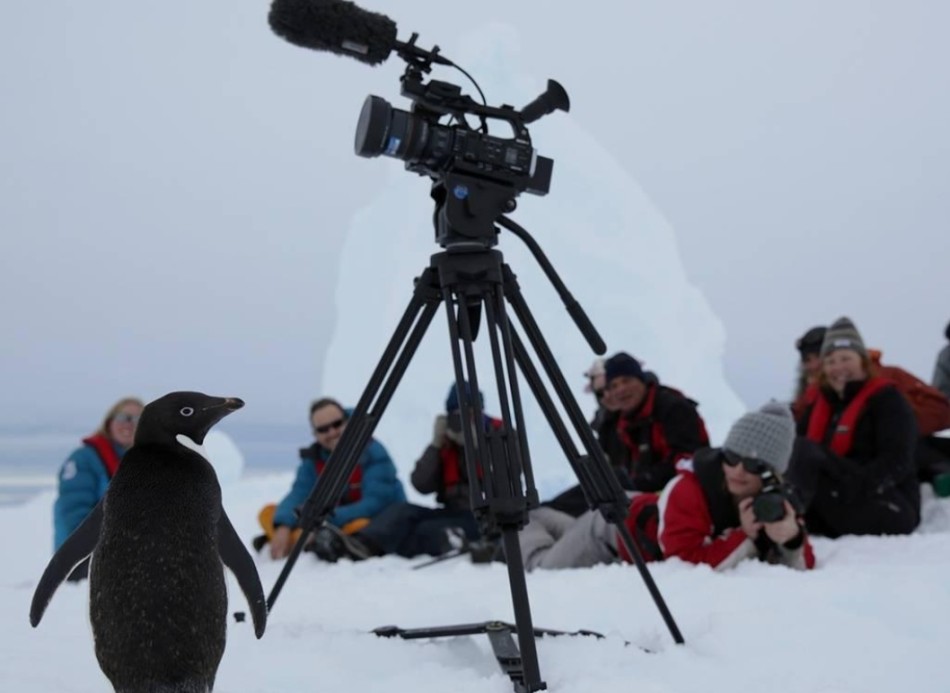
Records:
x=476, y=176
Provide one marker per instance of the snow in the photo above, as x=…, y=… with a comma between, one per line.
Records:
x=871, y=617
x=225, y=456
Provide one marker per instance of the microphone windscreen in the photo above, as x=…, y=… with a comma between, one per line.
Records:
x=337, y=26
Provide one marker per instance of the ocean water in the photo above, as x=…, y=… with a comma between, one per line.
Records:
x=30, y=458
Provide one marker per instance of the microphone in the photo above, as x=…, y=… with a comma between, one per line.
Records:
x=337, y=26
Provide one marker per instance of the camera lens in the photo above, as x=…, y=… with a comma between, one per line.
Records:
x=372, y=127
x=769, y=506
x=385, y=130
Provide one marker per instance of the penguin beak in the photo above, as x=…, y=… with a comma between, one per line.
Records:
x=232, y=403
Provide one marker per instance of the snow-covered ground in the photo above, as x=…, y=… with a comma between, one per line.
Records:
x=872, y=617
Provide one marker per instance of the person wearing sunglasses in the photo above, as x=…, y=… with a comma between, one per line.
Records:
x=865, y=479
x=710, y=512
x=371, y=488
x=84, y=477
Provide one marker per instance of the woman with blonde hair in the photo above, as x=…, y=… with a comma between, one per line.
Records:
x=85, y=475
x=863, y=478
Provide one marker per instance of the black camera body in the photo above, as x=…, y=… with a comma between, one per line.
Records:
x=477, y=176
x=769, y=504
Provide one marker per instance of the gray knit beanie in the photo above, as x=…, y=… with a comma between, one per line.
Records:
x=843, y=335
x=767, y=435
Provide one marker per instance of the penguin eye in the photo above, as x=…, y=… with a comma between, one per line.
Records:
x=186, y=411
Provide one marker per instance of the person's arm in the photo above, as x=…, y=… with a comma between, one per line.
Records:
x=304, y=482
x=790, y=540
x=895, y=435
x=427, y=473
x=79, y=491
x=685, y=524
x=684, y=431
x=379, y=487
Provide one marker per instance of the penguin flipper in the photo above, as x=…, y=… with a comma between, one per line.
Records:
x=77, y=548
x=237, y=558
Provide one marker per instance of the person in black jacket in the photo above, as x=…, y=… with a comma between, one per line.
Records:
x=410, y=530
x=855, y=471
x=644, y=428
x=651, y=426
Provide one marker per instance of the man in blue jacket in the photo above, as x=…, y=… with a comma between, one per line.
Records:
x=372, y=486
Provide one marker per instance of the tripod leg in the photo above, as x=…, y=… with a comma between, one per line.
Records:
x=522, y=609
x=501, y=499
x=324, y=497
x=600, y=485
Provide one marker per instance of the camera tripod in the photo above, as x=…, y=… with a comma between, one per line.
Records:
x=474, y=284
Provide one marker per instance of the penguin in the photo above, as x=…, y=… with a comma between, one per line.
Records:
x=158, y=539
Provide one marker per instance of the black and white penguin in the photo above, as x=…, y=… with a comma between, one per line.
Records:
x=158, y=602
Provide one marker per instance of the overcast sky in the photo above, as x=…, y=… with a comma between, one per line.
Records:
x=175, y=181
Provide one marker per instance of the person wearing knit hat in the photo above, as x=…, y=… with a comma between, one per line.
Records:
x=649, y=426
x=863, y=479
x=596, y=377
x=766, y=435
x=411, y=530
x=706, y=514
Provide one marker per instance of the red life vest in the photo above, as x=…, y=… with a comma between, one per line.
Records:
x=843, y=437
x=658, y=445
x=107, y=454
x=354, y=489
x=452, y=465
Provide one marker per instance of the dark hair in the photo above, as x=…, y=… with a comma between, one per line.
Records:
x=326, y=402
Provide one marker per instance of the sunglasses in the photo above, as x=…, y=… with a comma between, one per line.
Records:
x=326, y=428
x=126, y=418
x=751, y=464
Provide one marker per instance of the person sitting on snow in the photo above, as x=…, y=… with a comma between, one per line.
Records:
x=655, y=425
x=931, y=407
x=865, y=479
x=372, y=487
x=411, y=530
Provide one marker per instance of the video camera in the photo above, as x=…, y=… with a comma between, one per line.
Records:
x=432, y=149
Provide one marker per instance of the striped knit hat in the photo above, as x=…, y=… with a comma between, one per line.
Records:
x=843, y=335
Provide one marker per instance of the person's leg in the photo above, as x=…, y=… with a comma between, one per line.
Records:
x=430, y=535
x=570, y=501
x=590, y=540
x=545, y=526
x=387, y=531
x=266, y=519
x=887, y=513
x=805, y=470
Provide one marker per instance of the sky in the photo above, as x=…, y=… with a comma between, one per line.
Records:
x=870, y=618
x=176, y=183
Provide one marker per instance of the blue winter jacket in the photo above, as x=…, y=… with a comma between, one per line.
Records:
x=379, y=487
x=83, y=480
